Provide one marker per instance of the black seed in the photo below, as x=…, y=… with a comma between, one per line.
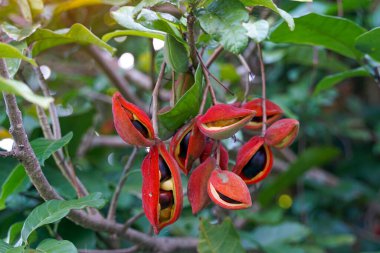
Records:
x=141, y=128
x=164, y=169
x=184, y=145
x=166, y=199
x=227, y=199
x=257, y=119
x=256, y=164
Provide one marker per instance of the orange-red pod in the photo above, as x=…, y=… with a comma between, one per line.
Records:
x=282, y=133
x=221, y=121
x=187, y=145
x=161, y=187
x=224, y=157
x=254, y=160
x=273, y=112
x=228, y=190
x=132, y=124
x=197, y=185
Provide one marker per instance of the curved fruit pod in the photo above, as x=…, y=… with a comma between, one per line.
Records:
x=187, y=145
x=161, y=188
x=282, y=133
x=254, y=160
x=273, y=111
x=131, y=123
x=221, y=121
x=197, y=185
x=228, y=190
x=224, y=157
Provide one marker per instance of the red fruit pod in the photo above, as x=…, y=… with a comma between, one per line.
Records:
x=221, y=121
x=228, y=190
x=161, y=188
x=282, y=133
x=197, y=185
x=273, y=111
x=224, y=157
x=253, y=161
x=132, y=124
x=187, y=145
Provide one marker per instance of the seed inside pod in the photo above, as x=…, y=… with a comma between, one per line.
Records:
x=141, y=128
x=166, y=199
x=184, y=145
x=164, y=169
x=256, y=164
x=227, y=199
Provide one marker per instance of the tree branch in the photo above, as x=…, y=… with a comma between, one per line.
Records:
x=191, y=39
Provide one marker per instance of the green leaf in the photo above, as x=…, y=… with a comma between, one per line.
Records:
x=176, y=55
x=257, y=30
x=15, y=182
x=330, y=81
x=13, y=64
x=334, y=33
x=269, y=4
x=119, y=33
x=369, y=43
x=223, y=19
x=9, y=51
x=14, y=233
x=4, y=246
x=316, y=156
x=181, y=112
x=19, y=33
x=287, y=232
x=333, y=241
x=54, y=210
x=45, y=39
x=20, y=249
x=63, y=6
x=21, y=89
x=124, y=17
x=55, y=246
x=25, y=9
x=44, y=148
x=222, y=238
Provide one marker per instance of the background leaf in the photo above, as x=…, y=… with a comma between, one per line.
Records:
x=54, y=210
x=369, y=43
x=55, y=246
x=222, y=19
x=176, y=55
x=221, y=238
x=257, y=30
x=337, y=34
x=21, y=89
x=9, y=51
x=45, y=39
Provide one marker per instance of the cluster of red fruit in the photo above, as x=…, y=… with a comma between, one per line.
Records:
x=162, y=188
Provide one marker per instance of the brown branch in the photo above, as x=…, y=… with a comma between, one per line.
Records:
x=263, y=85
x=155, y=98
x=213, y=57
x=123, y=178
x=131, y=220
x=4, y=154
x=29, y=160
x=191, y=39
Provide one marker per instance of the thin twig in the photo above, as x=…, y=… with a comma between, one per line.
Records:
x=123, y=178
x=4, y=154
x=155, y=98
x=213, y=57
x=205, y=73
x=263, y=84
x=339, y=4
x=132, y=220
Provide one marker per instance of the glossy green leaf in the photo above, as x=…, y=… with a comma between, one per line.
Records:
x=181, y=112
x=9, y=51
x=20, y=249
x=287, y=232
x=55, y=246
x=176, y=55
x=21, y=89
x=45, y=39
x=44, y=148
x=14, y=233
x=17, y=33
x=13, y=64
x=334, y=33
x=257, y=30
x=369, y=43
x=4, y=246
x=119, y=33
x=330, y=81
x=16, y=181
x=333, y=241
x=223, y=19
x=271, y=5
x=315, y=156
x=54, y=210
x=222, y=238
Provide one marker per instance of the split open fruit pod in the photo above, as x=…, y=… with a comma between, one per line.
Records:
x=228, y=190
x=131, y=123
x=197, y=185
x=254, y=160
x=187, y=145
x=282, y=133
x=221, y=121
x=161, y=187
x=273, y=112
